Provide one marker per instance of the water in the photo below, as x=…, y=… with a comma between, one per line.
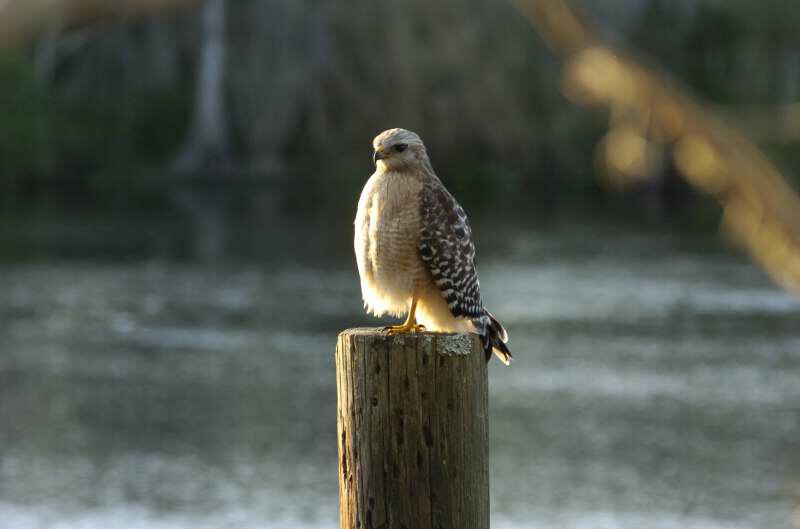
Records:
x=656, y=385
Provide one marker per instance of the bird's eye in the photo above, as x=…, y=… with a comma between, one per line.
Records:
x=400, y=147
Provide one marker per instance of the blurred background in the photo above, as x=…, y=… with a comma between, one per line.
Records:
x=178, y=181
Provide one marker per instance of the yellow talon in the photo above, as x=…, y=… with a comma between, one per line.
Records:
x=394, y=330
x=410, y=325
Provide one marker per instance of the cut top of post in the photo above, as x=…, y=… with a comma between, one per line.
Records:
x=450, y=344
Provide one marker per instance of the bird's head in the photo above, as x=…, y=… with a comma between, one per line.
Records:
x=398, y=150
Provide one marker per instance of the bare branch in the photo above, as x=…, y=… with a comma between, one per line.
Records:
x=651, y=113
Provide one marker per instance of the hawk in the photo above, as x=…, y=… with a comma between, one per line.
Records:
x=414, y=248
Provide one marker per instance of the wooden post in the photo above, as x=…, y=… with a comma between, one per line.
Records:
x=412, y=430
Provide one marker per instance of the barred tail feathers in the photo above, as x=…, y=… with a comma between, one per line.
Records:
x=494, y=338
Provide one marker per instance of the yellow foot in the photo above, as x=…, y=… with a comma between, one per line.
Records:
x=394, y=330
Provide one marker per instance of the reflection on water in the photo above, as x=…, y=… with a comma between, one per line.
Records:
x=655, y=386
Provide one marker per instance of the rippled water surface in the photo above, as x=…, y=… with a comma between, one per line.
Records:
x=657, y=385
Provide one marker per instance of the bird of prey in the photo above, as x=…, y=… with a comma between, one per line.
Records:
x=414, y=248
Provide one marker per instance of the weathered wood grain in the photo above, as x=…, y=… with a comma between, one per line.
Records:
x=412, y=431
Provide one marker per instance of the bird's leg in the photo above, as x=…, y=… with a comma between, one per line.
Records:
x=410, y=325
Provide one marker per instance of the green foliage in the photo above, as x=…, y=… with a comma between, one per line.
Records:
x=485, y=96
x=787, y=157
x=100, y=148
x=27, y=129
x=121, y=150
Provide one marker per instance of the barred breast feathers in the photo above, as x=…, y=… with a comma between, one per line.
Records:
x=386, y=228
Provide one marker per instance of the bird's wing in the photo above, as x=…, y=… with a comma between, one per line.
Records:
x=446, y=247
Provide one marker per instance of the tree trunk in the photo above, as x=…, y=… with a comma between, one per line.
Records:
x=207, y=141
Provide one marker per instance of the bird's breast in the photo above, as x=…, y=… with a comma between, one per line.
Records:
x=386, y=241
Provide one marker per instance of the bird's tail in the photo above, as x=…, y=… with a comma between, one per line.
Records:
x=494, y=339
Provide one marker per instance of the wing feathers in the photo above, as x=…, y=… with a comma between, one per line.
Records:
x=446, y=247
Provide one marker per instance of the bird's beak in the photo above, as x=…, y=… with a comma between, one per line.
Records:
x=380, y=154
